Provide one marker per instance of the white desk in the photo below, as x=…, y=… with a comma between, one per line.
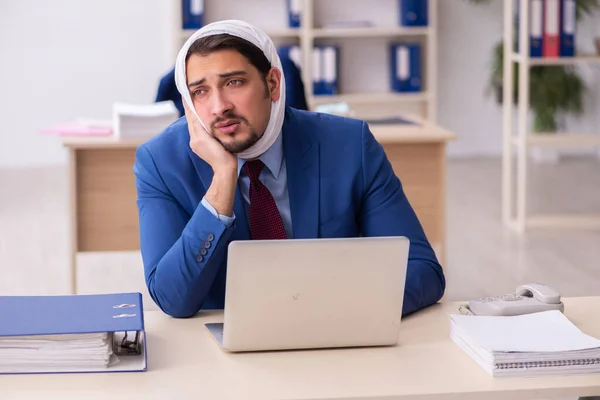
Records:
x=185, y=362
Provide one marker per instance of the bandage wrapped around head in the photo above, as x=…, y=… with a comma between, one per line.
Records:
x=261, y=40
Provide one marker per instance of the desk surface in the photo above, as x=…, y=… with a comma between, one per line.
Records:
x=183, y=359
x=421, y=132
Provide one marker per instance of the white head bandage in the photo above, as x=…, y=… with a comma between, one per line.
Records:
x=262, y=41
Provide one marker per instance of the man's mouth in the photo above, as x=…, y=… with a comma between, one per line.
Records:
x=228, y=126
x=226, y=123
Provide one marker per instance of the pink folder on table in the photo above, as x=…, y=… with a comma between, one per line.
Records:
x=81, y=128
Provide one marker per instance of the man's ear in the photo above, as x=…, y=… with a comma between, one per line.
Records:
x=274, y=83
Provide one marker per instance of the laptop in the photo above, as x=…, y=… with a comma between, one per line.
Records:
x=313, y=293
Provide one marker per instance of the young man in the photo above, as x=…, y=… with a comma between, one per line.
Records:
x=241, y=166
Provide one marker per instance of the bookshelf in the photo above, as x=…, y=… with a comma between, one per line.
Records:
x=515, y=180
x=365, y=101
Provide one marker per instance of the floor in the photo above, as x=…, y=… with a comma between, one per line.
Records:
x=484, y=258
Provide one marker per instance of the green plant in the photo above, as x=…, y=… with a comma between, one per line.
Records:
x=554, y=90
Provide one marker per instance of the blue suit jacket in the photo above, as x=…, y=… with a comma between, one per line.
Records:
x=340, y=185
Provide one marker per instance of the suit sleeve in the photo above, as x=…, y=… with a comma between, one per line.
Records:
x=181, y=253
x=386, y=211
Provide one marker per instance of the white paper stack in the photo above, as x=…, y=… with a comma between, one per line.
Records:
x=140, y=121
x=54, y=352
x=544, y=343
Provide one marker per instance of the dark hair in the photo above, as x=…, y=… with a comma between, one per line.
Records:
x=210, y=44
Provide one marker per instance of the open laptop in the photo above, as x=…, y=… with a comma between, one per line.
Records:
x=313, y=293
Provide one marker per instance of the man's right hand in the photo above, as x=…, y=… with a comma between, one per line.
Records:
x=207, y=147
x=221, y=192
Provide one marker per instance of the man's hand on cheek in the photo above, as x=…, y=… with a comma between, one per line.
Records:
x=207, y=147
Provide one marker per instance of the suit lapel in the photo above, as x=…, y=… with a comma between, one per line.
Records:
x=242, y=231
x=302, y=162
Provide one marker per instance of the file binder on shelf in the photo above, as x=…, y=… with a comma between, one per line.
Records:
x=536, y=27
x=551, y=47
x=293, y=53
x=192, y=14
x=294, y=9
x=568, y=24
x=317, y=74
x=405, y=67
x=72, y=334
x=414, y=12
x=330, y=70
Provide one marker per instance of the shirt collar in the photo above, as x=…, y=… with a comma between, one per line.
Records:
x=272, y=158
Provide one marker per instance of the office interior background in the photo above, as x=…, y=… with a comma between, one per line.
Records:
x=72, y=59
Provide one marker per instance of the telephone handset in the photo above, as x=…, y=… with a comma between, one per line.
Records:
x=527, y=299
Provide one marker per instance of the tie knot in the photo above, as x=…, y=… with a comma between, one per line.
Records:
x=253, y=169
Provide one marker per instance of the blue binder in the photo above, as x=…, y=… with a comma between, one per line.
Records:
x=414, y=12
x=330, y=65
x=536, y=27
x=192, y=14
x=568, y=24
x=405, y=67
x=294, y=9
x=317, y=71
x=119, y=315
x=293, y=52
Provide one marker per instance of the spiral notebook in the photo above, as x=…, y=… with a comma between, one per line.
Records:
x=543, y=343
x=72, y=333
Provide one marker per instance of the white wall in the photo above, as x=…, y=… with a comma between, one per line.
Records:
x=65, y=59
x=75, y=58
x=467, y=34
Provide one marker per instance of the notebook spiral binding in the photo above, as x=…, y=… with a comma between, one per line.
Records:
x=546, y=364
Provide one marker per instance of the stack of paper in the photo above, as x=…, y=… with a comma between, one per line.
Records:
x=541, y=343
x=53, y=352
x=81, y=127
x=140, y=121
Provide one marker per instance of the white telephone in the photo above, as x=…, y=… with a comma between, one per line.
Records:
x=527, y=299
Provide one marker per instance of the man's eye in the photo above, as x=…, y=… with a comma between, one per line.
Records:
x=235, y=82
x=198, y=92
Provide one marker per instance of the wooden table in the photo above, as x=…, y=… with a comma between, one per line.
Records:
x=103, y=207
x=184, y=361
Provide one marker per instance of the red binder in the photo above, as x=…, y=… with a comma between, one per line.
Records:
x=551, y=40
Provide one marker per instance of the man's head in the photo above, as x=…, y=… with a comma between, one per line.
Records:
x=232, y=87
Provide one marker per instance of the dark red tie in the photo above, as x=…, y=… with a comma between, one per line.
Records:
x=265, y=221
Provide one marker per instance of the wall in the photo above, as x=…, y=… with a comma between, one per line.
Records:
x=75, y=58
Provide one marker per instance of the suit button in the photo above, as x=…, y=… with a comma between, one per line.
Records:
x=199, y=258
x=203, y=251
x=207, y=244
x=210, y=237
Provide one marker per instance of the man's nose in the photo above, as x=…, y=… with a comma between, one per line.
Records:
x=220, y=104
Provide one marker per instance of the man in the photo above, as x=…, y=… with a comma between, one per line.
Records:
x=241, y=165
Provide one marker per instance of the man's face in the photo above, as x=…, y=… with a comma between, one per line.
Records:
x=231, y=97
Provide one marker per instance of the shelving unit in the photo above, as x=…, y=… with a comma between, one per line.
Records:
x=367, y=103
x=514, y=191
x=373, y=98
x=370, y=32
